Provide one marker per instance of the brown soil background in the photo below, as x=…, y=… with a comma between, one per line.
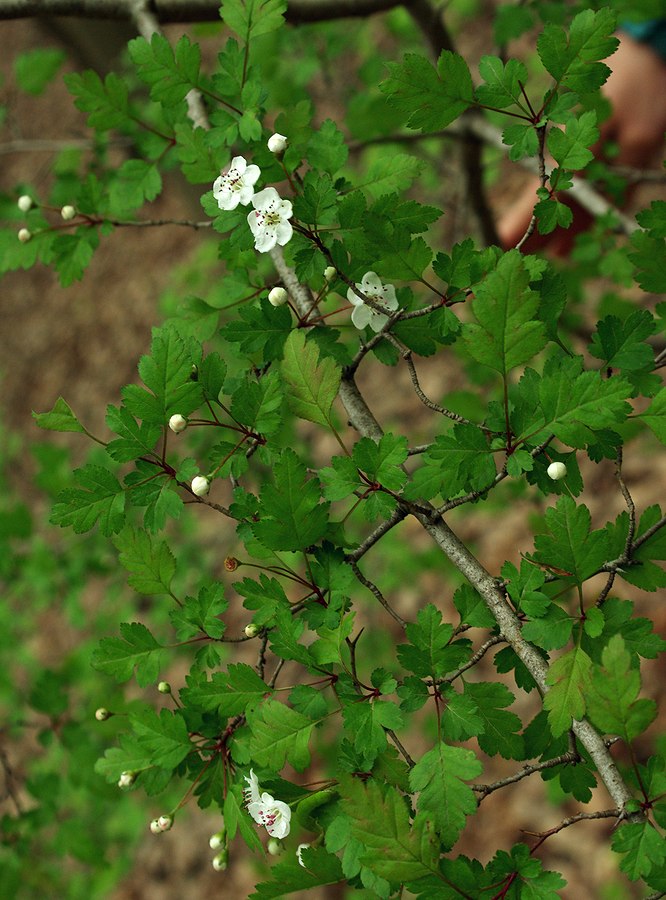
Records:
x=84, y=343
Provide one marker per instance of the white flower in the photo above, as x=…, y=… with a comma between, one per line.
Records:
x=277, y=296
x=126, y=779
x=557, y=471
x=236, y=185
x=277, y=143
x=165, y=822
x=24, y=202
x=155, y=827
x=67, y=213
x=24, y=235
x=269, y=222
x=273, y=814
x=200, y=485
x=299, y=854
x=382, y=294
x=177, y=423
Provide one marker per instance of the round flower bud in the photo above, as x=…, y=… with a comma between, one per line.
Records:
x=164, y=687
x=274, y=847
x=277, y=296
x=556, y=471
x=231, y=564
x=221, y=861
x=126, y=779
x=67, y=212
x=102, y=714
x=24, y=235
x=252, y=630
x=200, y=485
x=329, y=273
x=218, y=839
x=155, y=827
x=165, y=822
x=277, y=143
x=24, y=202
x=177, y=423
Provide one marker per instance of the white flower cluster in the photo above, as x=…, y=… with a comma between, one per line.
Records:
x=269, y=220
x=273, y=814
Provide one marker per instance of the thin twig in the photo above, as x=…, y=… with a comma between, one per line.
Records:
x=563, y=760
x=473, y=660
x=378, y=594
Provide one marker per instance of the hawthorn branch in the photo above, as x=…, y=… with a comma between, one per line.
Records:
x=571, y=820
x=571, y=756
x=378, y=594
x=473, y=660
x=171, y=11
x=435, y=407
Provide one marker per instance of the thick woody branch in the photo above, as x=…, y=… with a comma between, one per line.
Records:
x=166, y=11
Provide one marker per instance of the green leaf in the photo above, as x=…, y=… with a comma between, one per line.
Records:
x=431, y=652
x=105, y=101
x=228, y=693
x=655, y=415
x=327, y=150
x=380, y=821
x=460, y=460
x=170, y=72
x=503, y=81
x=164, y=738
x=507, y=334
x=644, y=848
x=166, y=373
x=134, y=439
x=201, y=614
x=570, y=548
x=279, y=734
x=522, y=140
x=291, y=514
x=60, y=418
x=439, y=778
x=151, y=566
x=623, y=344
x=318, y=868
x=136, y=649
x=573, y=58
x=99, y=498
x=72, y=254
x=570, y=677
x=648, y=257
x=387, y=174
x=570, y=148
x=498, y=734
x=366, y=723
x=552, y=214
x=34, y=69
x=250, y=18
x=432, y=98
x=136, y=181
x=257, y=404
x=263, y=329
x=311, y=383
x=611, y=697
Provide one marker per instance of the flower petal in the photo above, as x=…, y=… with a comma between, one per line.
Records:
x=361, y=316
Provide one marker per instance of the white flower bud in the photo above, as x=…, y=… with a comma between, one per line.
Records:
x=155, y=827
x=126, y=779
x=556, y=471
x=221, y=861
x=277, y=296
x=218, y=839
x=177, y=423
x=165, y=822
x=164, y=687
x=277, y=143
x=274, y=847
x=67, y=212
x=102, y=714
x=252, y=630
x=24, y=235
x=24, y=202
x=200, y=485
x=329, y=273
